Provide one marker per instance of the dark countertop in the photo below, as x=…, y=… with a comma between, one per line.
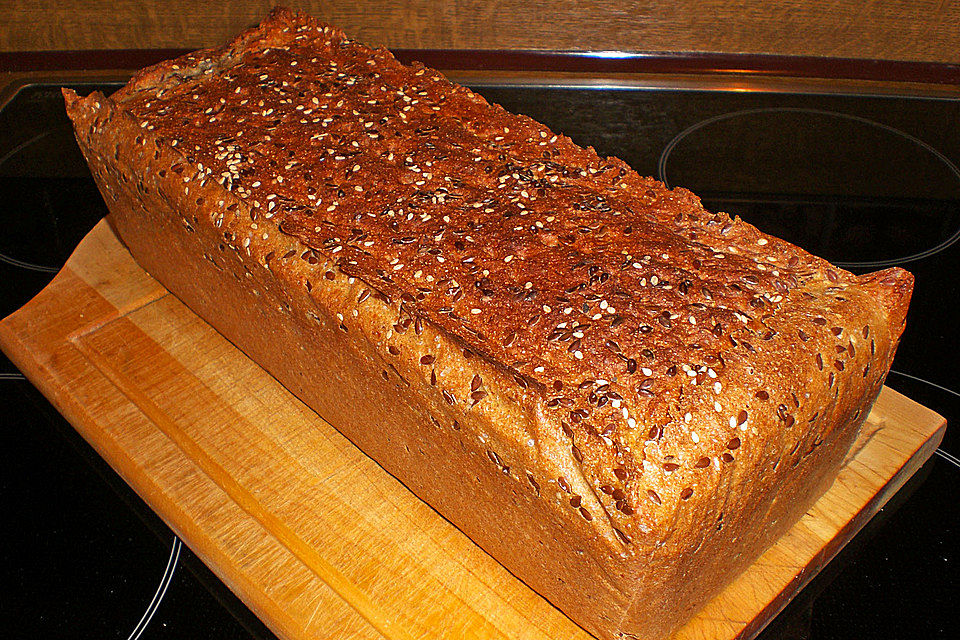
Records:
x=863, y=178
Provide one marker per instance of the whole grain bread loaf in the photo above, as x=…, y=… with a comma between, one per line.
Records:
x=622, y=397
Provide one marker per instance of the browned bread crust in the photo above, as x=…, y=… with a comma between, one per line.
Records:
x=621, y=396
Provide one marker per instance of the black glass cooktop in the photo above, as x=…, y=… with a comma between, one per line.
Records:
x=865, y=181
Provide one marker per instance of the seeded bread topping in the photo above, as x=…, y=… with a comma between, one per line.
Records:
x=678, y=362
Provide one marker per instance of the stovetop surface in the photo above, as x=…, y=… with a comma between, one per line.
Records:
x=866, y=181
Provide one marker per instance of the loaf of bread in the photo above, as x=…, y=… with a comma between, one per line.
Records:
x=620, y=396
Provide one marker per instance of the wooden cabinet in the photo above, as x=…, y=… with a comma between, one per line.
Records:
x=921, y=30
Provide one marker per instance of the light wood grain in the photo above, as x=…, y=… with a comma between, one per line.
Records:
x=315, y=537
x=924, y=30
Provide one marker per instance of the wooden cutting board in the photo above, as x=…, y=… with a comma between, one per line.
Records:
x=316, y=538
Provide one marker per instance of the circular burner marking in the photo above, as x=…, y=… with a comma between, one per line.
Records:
x=837, y=202
x=10, y=259
x=161, y=591
x=49, y=201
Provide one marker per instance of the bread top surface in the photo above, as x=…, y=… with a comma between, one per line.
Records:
x=659, y=335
